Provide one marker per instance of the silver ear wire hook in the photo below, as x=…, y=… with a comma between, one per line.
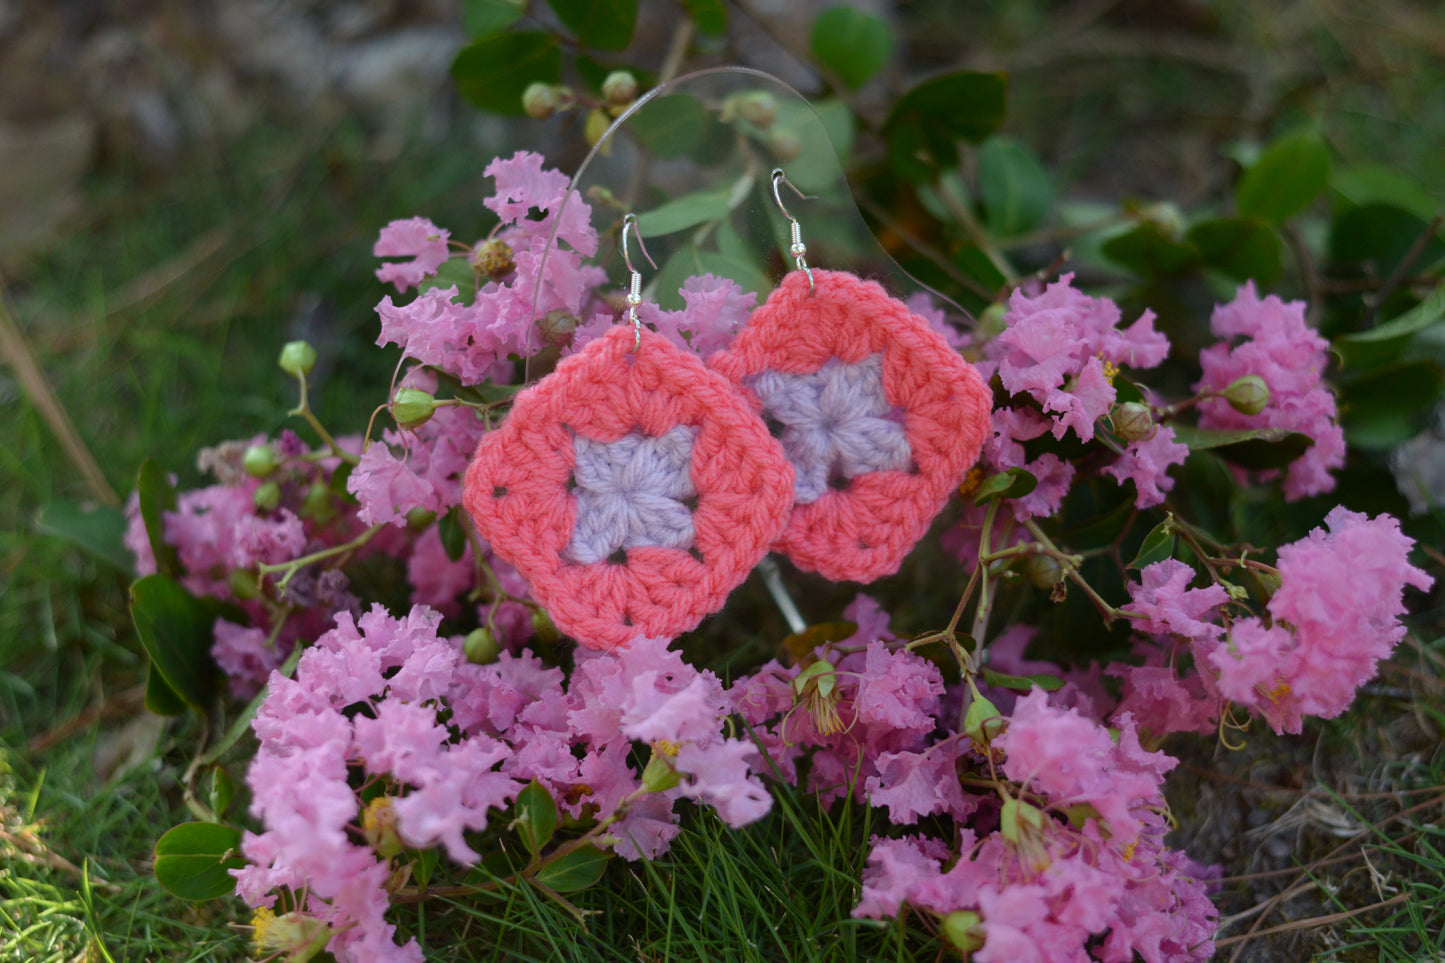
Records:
x=634, y=293
x=797, y=248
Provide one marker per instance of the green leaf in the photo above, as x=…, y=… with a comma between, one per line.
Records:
x=605, y=24
x=424, y=865
x=925, y=125
x=1150, y=250
x=1240, y=248
x=1386, y=340
x=160, y=697
x=157, y=496
x=482, y=18
x=453, y=533
x=99, y=530
x=536, y=819
x=684, y=212
x=1013, y=187
x=1291, y=172
x=1253, y=448
x=711, y=16
x=1361, y=184
x=176, y=629
x=1381, y=235
x=852, y=44
x=828, y=134
x=577, y=870
x=1157, y=546
x=453, y=271
x=1022, y=683
x=670, y=126
x=493, y=72
x=192, y=860
x=1389, y=405
x=1013, y=483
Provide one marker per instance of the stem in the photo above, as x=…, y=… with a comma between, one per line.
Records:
x=304, y=410
x=296, y=564
x=1071, y=572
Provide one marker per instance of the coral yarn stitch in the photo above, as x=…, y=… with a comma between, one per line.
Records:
x=604, y=459
x=805, y=361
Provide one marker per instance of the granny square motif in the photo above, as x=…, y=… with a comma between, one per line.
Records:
x=878, y=415
x=632, y=488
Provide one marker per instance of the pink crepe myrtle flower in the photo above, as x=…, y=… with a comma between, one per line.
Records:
x=474, y=340
x=1055, y=346
x=1335, y=615
x=1283, y=350
x=416, y=238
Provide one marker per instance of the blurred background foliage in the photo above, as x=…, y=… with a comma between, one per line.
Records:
x=187, y=186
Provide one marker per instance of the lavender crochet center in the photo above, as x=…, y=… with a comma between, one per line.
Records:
x=837, y=424
x=630, y=493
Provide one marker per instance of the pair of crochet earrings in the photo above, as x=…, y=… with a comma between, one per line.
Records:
x=635, y=487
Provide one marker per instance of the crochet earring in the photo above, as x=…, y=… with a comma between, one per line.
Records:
x=632, y=487
x=879, y=417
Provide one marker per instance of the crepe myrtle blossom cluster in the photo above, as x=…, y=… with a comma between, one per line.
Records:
x=383, y=703
x=1334, y=615
x=1058, y=355
x=276, y=501
x=1018, y=826
x=1059, y=828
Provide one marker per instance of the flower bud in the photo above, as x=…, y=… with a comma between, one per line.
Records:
x=481, y=646
x=658, y=775
x=418, y=518
x=620, y=87
x=1045, y=571
x=982, y=721
x=556, y=327
x=294, y=936
x=297, y=358
x=378, y=825
x=1248, y=395
x=493, y=258
x=259, y=461
x=785, y=144
x=961, y=929
x=543, y=629
x=597, y=124
x=244, y=583
x=759, y=108
x=267, y=497
x=540, y=101
x=1017, y=817
x=412, y=407
x=1132, y=421
x=990, y=322
x=316, y=504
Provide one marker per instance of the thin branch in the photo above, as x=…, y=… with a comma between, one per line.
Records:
x=15, y=350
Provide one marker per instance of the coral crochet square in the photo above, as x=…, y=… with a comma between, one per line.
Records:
x=633, y=489
x=879, y=416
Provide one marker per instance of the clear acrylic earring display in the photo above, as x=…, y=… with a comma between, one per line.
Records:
x=693, y=158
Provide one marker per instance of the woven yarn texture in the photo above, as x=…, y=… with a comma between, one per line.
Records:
x=606, y=435
x=804, y=360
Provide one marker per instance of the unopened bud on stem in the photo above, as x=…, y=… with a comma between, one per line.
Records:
x=297, y=358
x=620, y=87
x=494, y=259
x=412, y=407
x=540, y=101
x=259, y=461
x=1132, y=421
x=1248, y=395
